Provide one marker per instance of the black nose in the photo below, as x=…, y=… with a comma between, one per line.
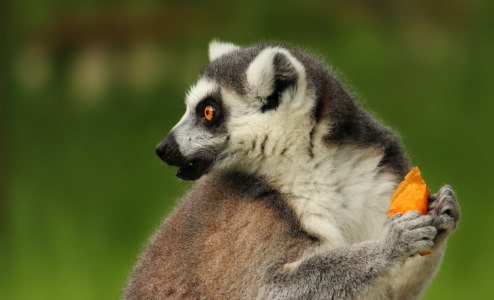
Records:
x=169, y=152
x=160, y=150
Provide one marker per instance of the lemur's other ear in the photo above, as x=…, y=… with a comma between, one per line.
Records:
x=276, y=77
x=217, y=49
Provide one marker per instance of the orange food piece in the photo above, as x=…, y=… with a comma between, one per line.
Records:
x=411, y=194
x=426, y=252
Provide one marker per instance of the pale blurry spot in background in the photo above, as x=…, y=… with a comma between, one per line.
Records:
x=89, y=75
x=145, y=65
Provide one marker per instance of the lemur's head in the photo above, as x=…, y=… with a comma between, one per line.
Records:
x=249, y=105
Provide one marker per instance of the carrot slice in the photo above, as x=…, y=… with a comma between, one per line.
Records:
x=411, y=194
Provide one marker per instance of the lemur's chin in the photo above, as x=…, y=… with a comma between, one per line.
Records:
x=194, y=170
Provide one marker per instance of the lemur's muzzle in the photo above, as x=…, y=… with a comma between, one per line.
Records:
x=190, y=168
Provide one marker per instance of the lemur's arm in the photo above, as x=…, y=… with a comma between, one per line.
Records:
x=418, y=271
x=355, y=271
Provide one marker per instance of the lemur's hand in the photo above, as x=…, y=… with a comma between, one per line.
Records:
x=408, y=235
x=444, y=210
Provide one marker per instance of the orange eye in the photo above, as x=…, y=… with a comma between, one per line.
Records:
x=209, y=112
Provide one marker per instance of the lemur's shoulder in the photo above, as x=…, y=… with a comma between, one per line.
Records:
x=218, y=239
x=348, y=121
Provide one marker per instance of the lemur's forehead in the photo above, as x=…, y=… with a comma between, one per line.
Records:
x=230, y=69
x=204, y=88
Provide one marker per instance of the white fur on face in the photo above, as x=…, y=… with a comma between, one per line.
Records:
x=217, y=49
x=203, y=88
x=193, y=139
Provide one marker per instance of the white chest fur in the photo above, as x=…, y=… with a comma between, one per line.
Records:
x=341, y=196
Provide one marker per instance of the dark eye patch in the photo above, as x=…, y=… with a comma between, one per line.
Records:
x=214, y=102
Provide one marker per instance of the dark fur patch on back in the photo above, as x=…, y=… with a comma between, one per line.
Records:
x=256, y=188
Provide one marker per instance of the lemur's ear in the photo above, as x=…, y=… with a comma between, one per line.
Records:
x=276, y=77
x=217, y=49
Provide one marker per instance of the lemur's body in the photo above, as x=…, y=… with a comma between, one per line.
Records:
x=295, y=202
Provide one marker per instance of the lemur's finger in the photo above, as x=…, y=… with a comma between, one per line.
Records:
x=425, y=233
x=422, y=246
x=432, y=205
x=409, y=216
x=444, y=222
x=394, y=217
x=420, y=222
x=433, y=198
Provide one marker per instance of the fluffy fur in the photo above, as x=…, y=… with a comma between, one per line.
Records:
x=217, y=49
x=295, y=199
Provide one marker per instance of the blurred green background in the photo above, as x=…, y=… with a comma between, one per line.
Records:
x=88, y=90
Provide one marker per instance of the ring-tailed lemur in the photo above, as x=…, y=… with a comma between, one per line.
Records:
x=294, y=188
